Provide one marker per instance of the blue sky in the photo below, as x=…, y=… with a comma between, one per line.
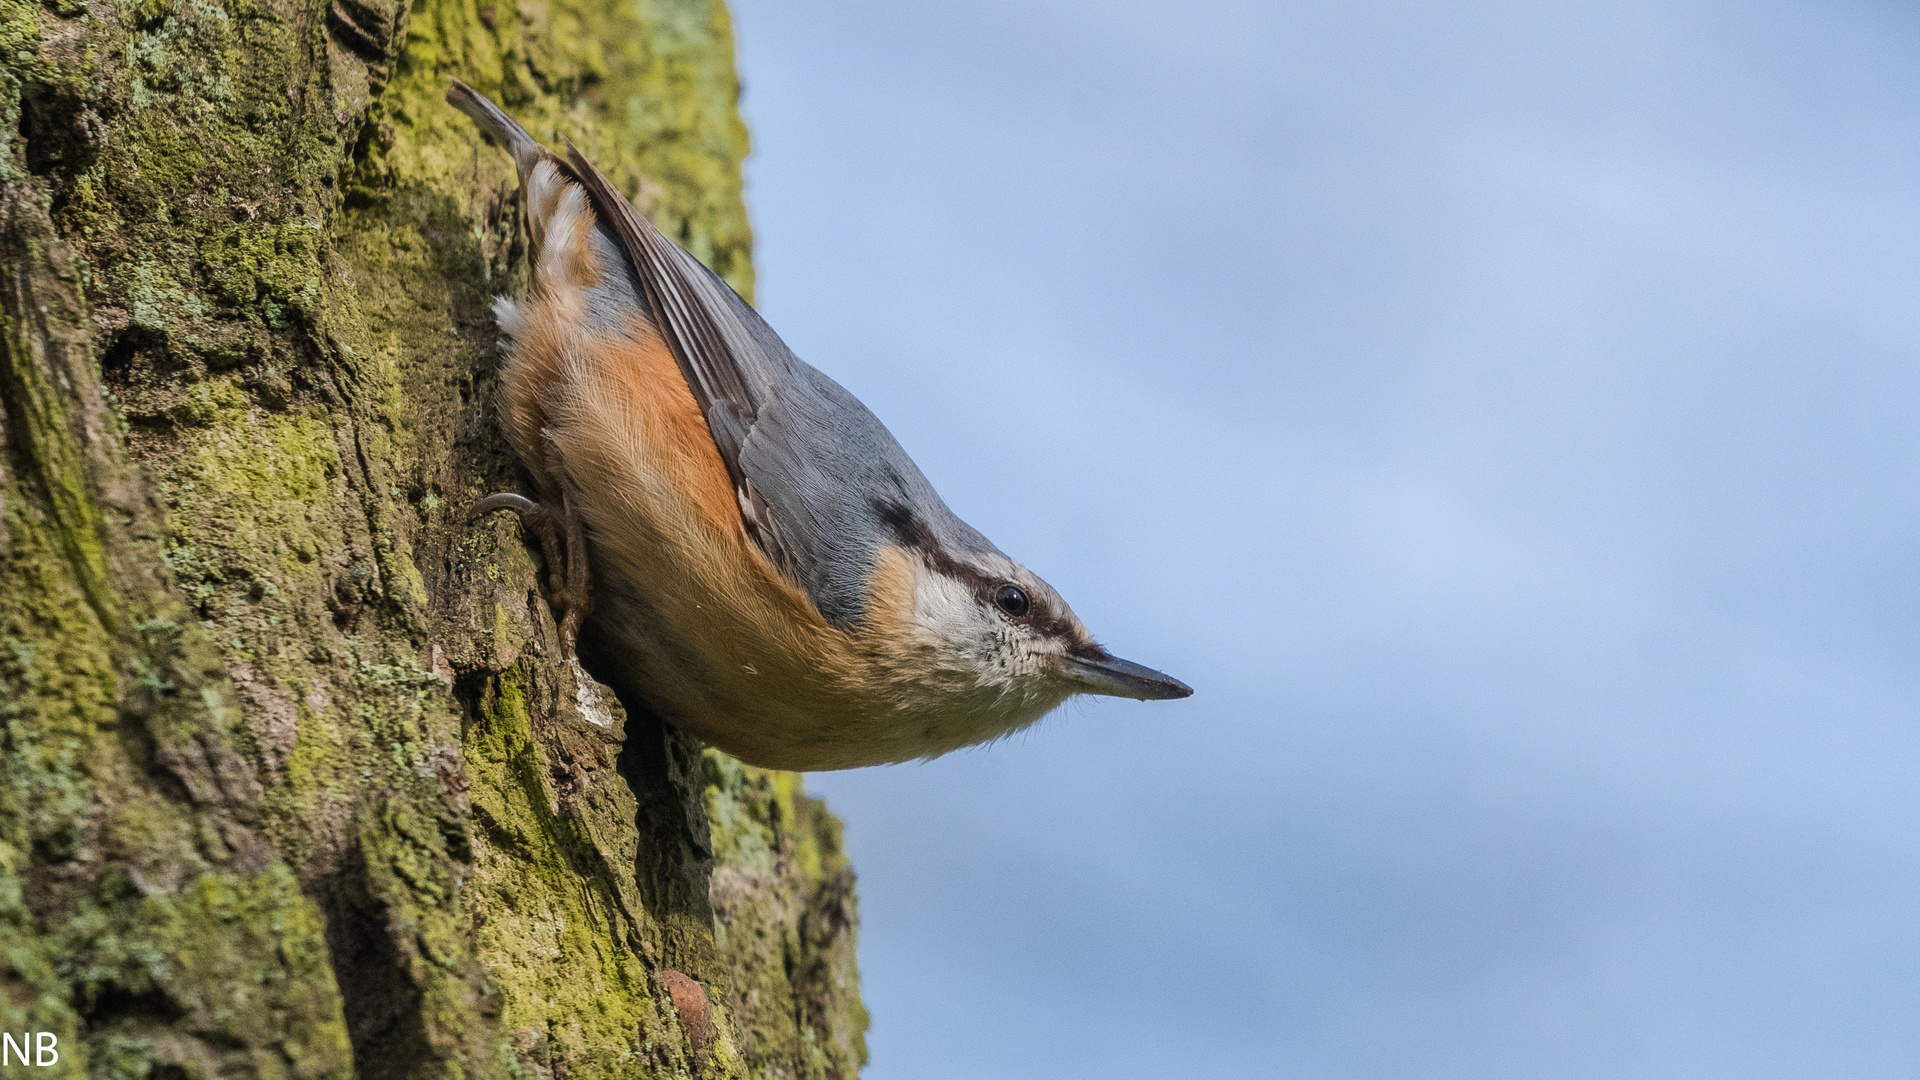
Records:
x=1502, y=414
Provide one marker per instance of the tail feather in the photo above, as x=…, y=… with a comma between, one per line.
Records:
x=544, y=178
x=526, y=152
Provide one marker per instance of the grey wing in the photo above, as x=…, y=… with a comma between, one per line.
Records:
x=838, y=485
x=819, y=480
x=688, y=309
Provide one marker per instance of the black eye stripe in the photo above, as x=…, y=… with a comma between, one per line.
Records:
x=911, y=532
x=1013, y=600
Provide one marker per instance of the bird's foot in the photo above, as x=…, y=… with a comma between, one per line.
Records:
x=564, y=545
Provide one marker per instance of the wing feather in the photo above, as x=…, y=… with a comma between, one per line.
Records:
x=707, y=339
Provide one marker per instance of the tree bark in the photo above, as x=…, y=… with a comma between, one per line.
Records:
x=293, y=781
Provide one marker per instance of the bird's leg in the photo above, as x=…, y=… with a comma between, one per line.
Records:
x=563, y=544
x=579, y=575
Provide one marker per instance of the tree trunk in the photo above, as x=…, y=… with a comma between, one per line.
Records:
x=293, y=781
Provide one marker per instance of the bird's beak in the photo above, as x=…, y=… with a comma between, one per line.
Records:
x=1114, y=677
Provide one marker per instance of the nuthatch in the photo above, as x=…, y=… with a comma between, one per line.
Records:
x=769, y=570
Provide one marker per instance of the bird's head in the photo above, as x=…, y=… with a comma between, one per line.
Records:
x=992, y=631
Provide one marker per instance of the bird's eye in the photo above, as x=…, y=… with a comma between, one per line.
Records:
x=1011, y=599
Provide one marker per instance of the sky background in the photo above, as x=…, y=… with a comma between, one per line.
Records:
x=1503, y=415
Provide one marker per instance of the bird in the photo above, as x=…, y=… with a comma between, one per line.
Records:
x=729, y=534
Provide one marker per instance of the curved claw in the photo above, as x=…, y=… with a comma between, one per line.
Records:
x=505, y=500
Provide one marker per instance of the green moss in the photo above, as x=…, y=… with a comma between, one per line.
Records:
x=280, y=263
x=245, y=497
x=56, y=468
x=237, y=960
x=783, y=898
x=551, y=926
x=412, y=878
x=647, y=90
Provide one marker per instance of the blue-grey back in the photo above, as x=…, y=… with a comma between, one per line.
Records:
x=834, y=477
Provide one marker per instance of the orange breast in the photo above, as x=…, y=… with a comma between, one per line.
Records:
x=640, y=373
x=710, y=619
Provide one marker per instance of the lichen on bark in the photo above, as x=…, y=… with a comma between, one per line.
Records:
x=293, y=781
